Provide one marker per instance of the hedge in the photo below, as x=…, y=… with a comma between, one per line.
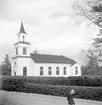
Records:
x=93, y=93
x=12, y=83
x=19, y=84
x=94, y=81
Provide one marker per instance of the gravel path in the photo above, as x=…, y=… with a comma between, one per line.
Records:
x=16, y=98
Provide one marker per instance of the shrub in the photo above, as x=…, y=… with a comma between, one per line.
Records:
x=47, y=80
x=69, y=81
x=12, y=83
x=93, y=93
x=20, y=84
x=93, y=81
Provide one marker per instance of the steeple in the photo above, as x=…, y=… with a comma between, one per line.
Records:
x=22, y=28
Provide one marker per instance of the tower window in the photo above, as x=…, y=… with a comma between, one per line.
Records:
x=41, y=70
x=49, y=71
x=23, y=38
x=16, y=51
x=24, y=50
x=57, y=70
x=64, y=70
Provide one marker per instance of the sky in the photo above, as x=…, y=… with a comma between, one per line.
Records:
x=51, y=27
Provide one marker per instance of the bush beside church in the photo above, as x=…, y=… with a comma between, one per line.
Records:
x=56, y=87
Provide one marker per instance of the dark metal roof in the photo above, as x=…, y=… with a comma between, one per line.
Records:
x=22, y=42
x=43, y=58
x=22, y=29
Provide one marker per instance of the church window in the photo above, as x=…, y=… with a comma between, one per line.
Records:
x=24, y=71
x=64, y=70
x=23, y=38
x=16, y=51
x=24, y=50
x=14, y=73
x=15, y=63
x=57, y=70
x=76, y=70
x=49, y=70
x=41, y=70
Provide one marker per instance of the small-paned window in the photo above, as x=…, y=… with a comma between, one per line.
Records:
x=64, y=70
x=76, y=70
x=49, y=70
x=24, y=71
x=57, y=70
x=41, y=70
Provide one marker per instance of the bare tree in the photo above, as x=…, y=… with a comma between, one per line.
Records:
x=95, y=51
x=90, y=10
x=91, y=67
x=97, y=48
x=35, y=51
x=92, y=58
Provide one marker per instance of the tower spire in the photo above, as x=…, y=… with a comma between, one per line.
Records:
x=22, y=30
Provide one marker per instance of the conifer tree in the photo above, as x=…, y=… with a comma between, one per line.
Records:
x=6, y=66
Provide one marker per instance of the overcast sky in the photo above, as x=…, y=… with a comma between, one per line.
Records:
x=50, y=27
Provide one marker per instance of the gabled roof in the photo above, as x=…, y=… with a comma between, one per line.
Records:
x=43, y=58
x=22, y=30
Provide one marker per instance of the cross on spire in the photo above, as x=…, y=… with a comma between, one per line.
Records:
x=22, y=30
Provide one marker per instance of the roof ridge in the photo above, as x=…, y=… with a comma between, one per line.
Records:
x=49, y=54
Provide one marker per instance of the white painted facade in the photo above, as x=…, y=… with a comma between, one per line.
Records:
x=21, y=61
x=53, y=66
x=33, y=69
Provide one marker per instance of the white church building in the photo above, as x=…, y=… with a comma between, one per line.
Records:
x=25, y=63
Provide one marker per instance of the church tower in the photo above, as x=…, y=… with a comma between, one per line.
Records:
x=21, y=59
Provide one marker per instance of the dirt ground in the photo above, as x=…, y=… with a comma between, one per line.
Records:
x=16, y=98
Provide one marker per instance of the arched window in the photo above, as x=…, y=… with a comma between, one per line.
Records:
x=14, y=72
x=57, y=70
x=41, y=70
x=76, y=70
x=64, y=70
x=24, y=71
x=49, y=70
x=24, y=50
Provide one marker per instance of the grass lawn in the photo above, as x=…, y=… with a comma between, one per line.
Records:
x=16, y=98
